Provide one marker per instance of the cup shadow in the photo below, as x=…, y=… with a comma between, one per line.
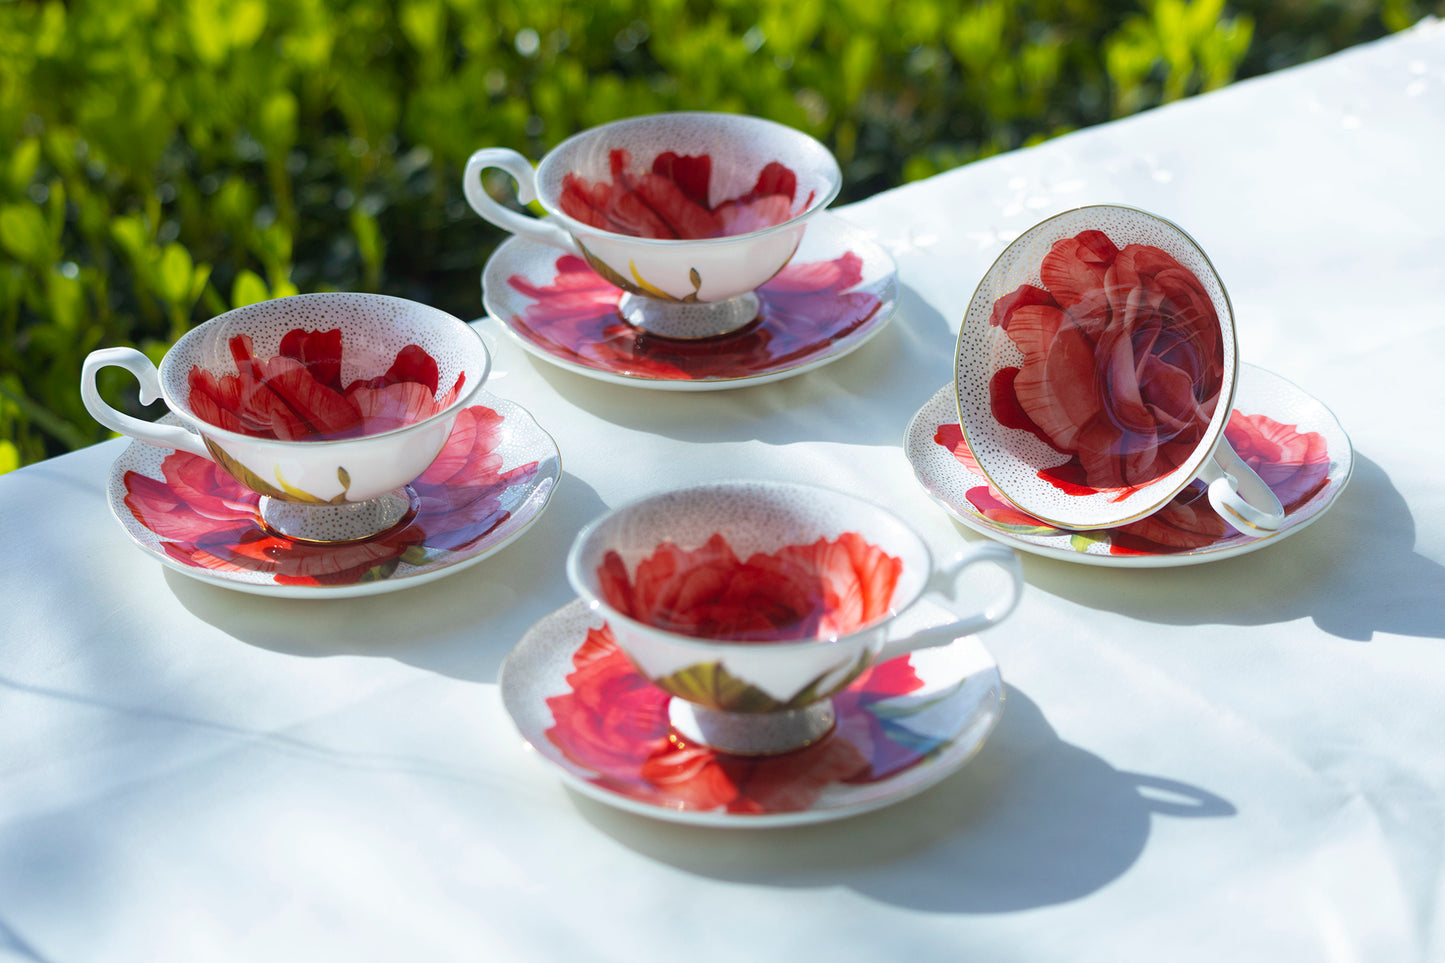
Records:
x=1354, y=572
x=460, y=626
x=1032, y=821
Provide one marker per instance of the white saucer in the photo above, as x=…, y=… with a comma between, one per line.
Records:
x=202, y=523
x=839, y=291
x=901, y=728
x=1260, y=392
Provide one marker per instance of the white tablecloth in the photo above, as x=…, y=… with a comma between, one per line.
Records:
x=1239, y=760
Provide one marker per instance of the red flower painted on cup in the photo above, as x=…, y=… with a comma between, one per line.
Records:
x=803, y=311
x=614, y=723
x=206, y=519
x=1123, y=361
x=820, y=590
x=297, y=394
x=670, y=200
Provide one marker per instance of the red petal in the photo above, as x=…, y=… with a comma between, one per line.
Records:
x=392, y=406
x=1074, y=269
x=320, y=351
x=691, y=174
x=586, y=202
x=1025, y=296
x=314, y=409
x=683, y=217
x=776, y=179
x=744, y=217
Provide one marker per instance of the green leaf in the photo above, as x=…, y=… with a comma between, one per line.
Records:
x=248, y=289
x=276, y=122
x=23, y=161
x=25, y=235
x=65, y=300
x=173, y=274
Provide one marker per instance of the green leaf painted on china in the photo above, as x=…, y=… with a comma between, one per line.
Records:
x=1080, y=541
x=416, y=555
x=710, y=684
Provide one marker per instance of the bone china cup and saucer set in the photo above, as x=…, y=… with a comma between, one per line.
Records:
x=741, y=653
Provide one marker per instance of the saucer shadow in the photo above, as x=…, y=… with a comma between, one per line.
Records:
x=838, y=402
x=461, y=625
x=1032, y=821
x=1354, y=571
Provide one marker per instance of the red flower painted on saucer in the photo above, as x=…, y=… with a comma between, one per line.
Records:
x=670, y=200
x=821, y=590
x=297, y=394
x=1294, y=464
x=803, y=310
x=208, y=520
x=614, y=723
x=1123, y=362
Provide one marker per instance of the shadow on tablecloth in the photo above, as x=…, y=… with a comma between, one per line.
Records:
x=1354, y=571
x=1032, y=821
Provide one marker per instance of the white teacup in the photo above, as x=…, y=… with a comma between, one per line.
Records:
x=1096, y=370
x=687, y=212
x=326, y=405
x=753, y=602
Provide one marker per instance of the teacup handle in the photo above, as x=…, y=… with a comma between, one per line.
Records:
x=506, y=159
x=1239, y=495
x=162, y=436
x=943, y=587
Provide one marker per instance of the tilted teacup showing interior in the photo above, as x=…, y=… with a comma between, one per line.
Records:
x=689, y=213
x=753, y=602
x=1096, y=370
x=326, y=405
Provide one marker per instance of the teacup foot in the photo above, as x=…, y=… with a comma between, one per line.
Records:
x=752, y=733
x=330, y=524
x=688, y=320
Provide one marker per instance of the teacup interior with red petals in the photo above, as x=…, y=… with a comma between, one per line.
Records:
x=688, y=176
x=753, y=563
x=1096, y=366
x=324, y=367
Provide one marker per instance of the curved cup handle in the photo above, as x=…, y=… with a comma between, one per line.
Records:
x=943, y=587
x=162, y=436
x=506, y=159
x=1239, y=495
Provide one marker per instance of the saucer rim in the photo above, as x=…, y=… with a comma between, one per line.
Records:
x=1306, y=514
x=982, y=718
x=887, y=283
x=464, y=559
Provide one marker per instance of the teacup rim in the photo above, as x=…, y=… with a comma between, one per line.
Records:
x=574, y=226
x=1189, y=470
x=599, y=605
x=205, y=428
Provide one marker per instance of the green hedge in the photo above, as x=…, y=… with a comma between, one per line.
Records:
x=164, y=160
